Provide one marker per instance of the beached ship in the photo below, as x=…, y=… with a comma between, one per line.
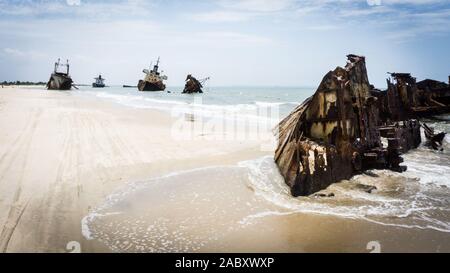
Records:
x=99, y=82
x=348, y=127
x=193, y=85
x=153, y=80
x=60, y=80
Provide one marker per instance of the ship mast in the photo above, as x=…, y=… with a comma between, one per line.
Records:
x=155, y=68
x=57, y=65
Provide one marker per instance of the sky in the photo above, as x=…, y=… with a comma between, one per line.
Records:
x=236, y=43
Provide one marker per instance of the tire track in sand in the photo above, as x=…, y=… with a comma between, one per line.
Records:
x=17, y=207
x=56, y=201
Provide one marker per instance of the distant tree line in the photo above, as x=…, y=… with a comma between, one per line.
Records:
x=22, y=83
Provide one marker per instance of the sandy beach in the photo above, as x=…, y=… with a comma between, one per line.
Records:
x=226, y=126
x=62, y=156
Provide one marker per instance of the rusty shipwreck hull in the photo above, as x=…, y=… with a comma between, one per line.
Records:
x=192, y=85
x=340, y=131
x=59, y=81
x=150, y=86
x=406, y=98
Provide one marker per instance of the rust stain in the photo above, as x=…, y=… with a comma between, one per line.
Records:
x=337, y=132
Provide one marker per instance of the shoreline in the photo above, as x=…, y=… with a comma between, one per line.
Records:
x=64, y=155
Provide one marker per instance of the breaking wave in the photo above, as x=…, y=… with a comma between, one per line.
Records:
x=208, y=107
x=191, y=210
x=403, y=200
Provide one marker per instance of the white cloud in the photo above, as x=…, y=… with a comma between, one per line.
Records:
x=242, y=10
x=73, y=2
x=412, y=2
x=236, y=39
x=17, y=53
x=100, y=9
x=323, y=27
x=358, y=12
x=13, y=52
x=222, y=16
x=258, y=5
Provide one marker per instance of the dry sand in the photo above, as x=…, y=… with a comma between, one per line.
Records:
x=61, y=155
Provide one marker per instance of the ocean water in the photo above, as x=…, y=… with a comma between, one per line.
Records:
x=205, y=209
x=216, y=101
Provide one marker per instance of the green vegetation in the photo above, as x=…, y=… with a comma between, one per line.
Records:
x=5, y=83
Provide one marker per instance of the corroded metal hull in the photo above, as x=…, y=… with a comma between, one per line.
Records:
x=192, y=90
x=192, y=86
x=149, y=86
x=59, y=81
x=338, y=133
x=406, y=98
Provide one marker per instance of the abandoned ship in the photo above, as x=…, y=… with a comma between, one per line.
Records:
x=60, y=80
x=348, y=127
x=193, y=85
x=99, y=82
x=153, y=80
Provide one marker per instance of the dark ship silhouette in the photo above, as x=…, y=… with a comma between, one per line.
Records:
x=99, y=82
x=60, y=80
x=153, y=80
x=193, y=85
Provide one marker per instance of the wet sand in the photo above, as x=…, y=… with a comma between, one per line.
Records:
x=61, y=155
x=113, y=179
x=218, y=210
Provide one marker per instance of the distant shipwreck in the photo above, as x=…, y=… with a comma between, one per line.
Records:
x=99, y=82
x=60, y=80
x=193, y=85
x=153, y=80
x=348, y=127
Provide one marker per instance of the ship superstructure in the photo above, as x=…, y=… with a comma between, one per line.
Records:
x=99, y=82
x=153, y=81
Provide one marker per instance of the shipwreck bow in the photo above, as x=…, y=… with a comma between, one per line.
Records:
x=339, y=132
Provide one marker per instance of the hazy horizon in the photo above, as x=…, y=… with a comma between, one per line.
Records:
x=285, y=43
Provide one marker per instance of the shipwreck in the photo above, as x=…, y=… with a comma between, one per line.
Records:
x=193, y=85
x=153, y=81
x=99, y=82
x=60, y=80
x=348, y=127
